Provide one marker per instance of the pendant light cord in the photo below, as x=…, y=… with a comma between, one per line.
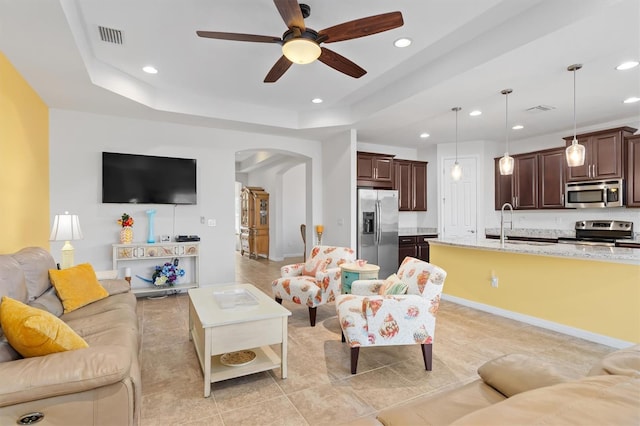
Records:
x=574, y=104
x=506, y=120
x=457, y=134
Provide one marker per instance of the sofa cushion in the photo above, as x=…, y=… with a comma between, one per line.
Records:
x=444, y=407
x=115, y=286
x=623, y=362
x=35, y=263
x=12, y=282
x=77, y=286
x=598, y=400
x=34, y=332
x=515, y=373
x=313, y=266
x=49, y=301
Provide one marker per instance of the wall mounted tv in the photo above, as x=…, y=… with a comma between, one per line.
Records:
x=146, y=179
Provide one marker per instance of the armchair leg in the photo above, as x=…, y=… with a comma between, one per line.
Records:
x=354, y=359
x=427, y=355
x=343, y=339
x=278, y=300
x=312, y=316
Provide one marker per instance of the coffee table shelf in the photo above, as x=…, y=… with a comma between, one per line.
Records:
x=216, y=331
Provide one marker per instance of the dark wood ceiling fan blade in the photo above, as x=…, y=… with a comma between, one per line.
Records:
x=362, y=27
x=291, y=13
x=239, y=37
x=340, y=63
x=278, y=69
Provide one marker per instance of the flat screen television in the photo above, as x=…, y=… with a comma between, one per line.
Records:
x=146, y=179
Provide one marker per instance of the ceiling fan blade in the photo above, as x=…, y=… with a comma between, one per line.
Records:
x=361, y=27
x=291, y=13
x=279, y=68
x=239, y=37
x=340, y=63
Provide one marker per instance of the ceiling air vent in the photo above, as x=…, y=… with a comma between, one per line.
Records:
x=540, y=108
x=110, y=35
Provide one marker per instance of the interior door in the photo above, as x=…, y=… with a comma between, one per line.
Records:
x=459, y=202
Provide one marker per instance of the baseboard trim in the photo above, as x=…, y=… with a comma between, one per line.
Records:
x=549, y=325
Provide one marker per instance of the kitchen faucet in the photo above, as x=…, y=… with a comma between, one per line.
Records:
x=502, y=222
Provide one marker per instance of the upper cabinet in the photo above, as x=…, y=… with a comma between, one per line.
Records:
x=551, y=167
x=375, y=170
x=604, y=155
x=411, y=183
x=633, y=171
x=537, y=181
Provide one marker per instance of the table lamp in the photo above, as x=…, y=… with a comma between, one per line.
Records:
x=66, y=227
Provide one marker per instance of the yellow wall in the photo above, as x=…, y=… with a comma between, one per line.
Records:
x=24, y=163
x=600, y=297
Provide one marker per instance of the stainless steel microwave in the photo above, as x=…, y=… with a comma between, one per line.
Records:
x=593, y=194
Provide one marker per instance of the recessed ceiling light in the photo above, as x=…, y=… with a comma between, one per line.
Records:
x=518, y=127
x=150, y=70
x=424, y=135
x=627, y=65
x=631, y=100
x=402, y=42
x=316, y=100
x=475, y=113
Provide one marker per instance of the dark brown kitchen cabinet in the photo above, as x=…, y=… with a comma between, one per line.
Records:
x=375, y=170
x=551, y=166
x=633, y=171
x=604, y=154
x=406, y=247
x=411, y=183
x=525, y=181
x=414, y=246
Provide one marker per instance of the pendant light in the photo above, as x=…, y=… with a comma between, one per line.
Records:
x=575, y=152
x=456, y=170
x=506, y=162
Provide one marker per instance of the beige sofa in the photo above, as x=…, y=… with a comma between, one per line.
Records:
x=98, y=385
x=521, y=390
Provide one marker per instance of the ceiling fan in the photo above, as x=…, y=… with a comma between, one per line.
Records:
x=301, y=45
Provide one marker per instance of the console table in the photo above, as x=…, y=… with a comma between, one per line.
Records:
x=144, y=257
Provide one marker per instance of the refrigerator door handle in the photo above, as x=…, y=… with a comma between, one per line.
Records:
x=378, y=213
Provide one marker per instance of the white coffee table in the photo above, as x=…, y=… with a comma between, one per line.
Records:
x=215, y=331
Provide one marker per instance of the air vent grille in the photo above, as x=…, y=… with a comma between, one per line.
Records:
x=540, y=108
x=110, y=35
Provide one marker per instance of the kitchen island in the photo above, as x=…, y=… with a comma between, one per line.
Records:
x=586, y=291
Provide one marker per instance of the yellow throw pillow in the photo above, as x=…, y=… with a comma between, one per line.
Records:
x=34, y=332
x=77, y=286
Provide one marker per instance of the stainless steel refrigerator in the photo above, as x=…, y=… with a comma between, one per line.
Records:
x=378, y=229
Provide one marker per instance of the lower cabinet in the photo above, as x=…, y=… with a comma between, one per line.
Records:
x=414, y=246
x=254, y=241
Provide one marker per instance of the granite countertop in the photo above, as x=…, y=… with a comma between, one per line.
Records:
x=406, y=232
x=553, y=234
x=577, y=251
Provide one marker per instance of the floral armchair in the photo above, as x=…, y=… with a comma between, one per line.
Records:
x=315, y=282
x=370, y=319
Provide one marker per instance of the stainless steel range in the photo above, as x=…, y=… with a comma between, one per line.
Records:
x=600, y=232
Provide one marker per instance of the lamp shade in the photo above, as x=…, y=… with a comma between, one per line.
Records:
x=66, y=227
x=506, y=164
x=575, y=154
x=301, y=50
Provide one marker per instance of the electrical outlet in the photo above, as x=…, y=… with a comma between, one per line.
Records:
x=494, y=281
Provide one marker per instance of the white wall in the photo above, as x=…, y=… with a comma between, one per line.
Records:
x=339, y=177
x=76, y=142
x=293, y=214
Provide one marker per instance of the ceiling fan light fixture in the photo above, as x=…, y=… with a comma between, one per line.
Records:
x=301, y=50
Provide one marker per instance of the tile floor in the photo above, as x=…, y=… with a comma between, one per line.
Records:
x=320, y=389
